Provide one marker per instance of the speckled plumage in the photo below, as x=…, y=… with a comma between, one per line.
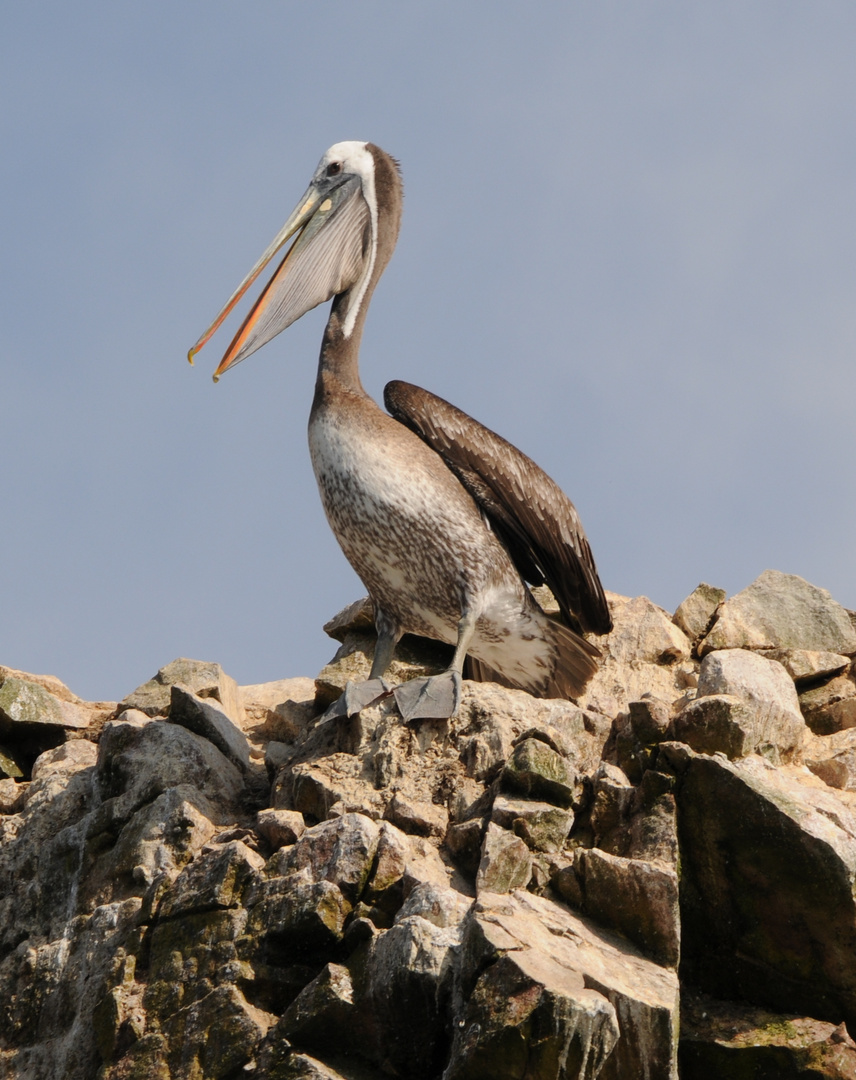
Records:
x=440, y=517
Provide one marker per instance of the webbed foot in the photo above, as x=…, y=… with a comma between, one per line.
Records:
x=435, y=697
x=356, y=697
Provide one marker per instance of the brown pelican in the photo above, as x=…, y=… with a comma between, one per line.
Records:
x=443, y=520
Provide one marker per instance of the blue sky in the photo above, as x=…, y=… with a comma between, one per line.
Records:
x=629, y=246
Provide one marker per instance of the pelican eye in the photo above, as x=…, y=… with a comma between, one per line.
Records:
x=334, y=168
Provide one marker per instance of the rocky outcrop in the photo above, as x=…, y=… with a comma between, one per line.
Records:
x=658, y=880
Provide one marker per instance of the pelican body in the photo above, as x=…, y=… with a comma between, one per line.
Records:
x=441, y=518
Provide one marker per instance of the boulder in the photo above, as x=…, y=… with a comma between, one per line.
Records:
x=546, y=991
x=781, y=611
x=506, y=862
x=694, y=614
x=763, y=851
x=831, y=706
x=199, y=677
x=207, y=718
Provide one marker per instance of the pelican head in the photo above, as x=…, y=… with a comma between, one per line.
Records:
x=336, y=222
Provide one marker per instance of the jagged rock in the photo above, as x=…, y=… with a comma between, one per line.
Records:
x=401, y=863
x=138, y=759
x=9, y=767
x=214, y=880
x=781, y=611
x=805, y=666
x=762, y=851
x=209, y=720
x=423, y=819
x=198, y=676
x=505, y=864
x=833, y=758
x=541, y=826
x=341, y=851
x=534, y=769
x=280, y=827
x=832, y=706
x=636, y=897
x=282, y=708
x=25, y=702
x=414, y=657
x=746, y=704
x=649, y=720
x=358, y=616
x=11, y=795
x=464, y=842
x=727, y=1039
x=693, y=615
x=322, y=1015
x=405, y=996
x=644, y=654
x=545, y=989
x=441, y=906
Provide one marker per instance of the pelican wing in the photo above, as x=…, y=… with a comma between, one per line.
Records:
x=537, y=521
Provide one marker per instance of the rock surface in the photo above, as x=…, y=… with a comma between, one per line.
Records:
x=658, y=880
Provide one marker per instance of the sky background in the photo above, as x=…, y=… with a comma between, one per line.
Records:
x=629, y=246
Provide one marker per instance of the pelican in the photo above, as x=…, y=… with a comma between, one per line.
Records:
x=443, y=520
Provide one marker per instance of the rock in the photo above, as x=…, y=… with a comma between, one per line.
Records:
x=423, y=819
x=541, y=826
x=833, y=758
x=832, y=706
x=649, y=720
x=207, y=680
x=440, y=906
x=539, y=772
x=11, y=796
x=341, y=851
x=322, y=1014
x=138, y=759
x=745, y=704
x=464, y=841
x=638, y=898
x=694, y=614
x=762, y=851
x=546, y=991
x=806, y=667
x=728, y=1039
x=214, y=880
x=280, y=827
x=9, y=767
x=414, y=657
x=781, y=611
x=283, y=708
x=358, y=616
x=644, y=654
x=505, y=864
x=205, y=718
x=25, y=702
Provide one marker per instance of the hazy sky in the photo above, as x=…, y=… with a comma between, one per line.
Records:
x=629, y=246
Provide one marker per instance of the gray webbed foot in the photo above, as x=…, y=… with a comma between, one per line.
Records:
x=355, y=698
x=435, y=697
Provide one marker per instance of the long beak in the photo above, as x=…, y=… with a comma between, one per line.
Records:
x=298, y=219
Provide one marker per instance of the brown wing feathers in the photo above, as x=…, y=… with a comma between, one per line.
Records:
x=535, y=519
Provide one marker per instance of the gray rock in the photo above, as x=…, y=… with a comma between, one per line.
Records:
x=280, y=827
x=534, y=769
x=781, y=611
x=322, y=1016
x=693, y=615
x=205, y=717
x=341, y=851
x=830, y=707
x=636, y=897
x=745, y=704
x=546, y=988
x=726, y=724
x=724, y=1038
x=214, y=880
x=199, y=676
x=25, y=702
x=762, y=851
x=506, y=862
x=540, y=825
x=805, y=666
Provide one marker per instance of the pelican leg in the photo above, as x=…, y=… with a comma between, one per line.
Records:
x=358, y=696
x=437, y=696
